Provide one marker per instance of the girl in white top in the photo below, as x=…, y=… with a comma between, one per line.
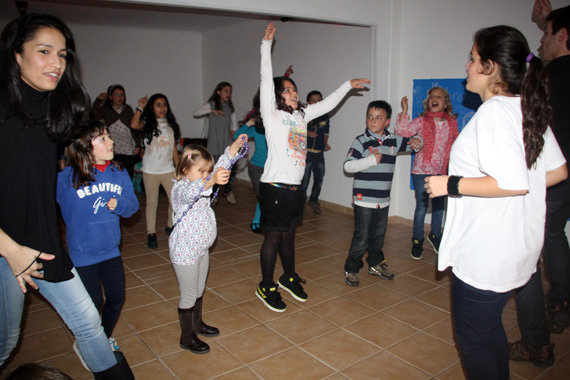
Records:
x=281, y=200
x=501, y=163
x=160, y=131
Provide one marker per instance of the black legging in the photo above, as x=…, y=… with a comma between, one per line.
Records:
x=282, y=243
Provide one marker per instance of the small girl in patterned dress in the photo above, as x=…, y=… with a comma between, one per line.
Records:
x=194, y=232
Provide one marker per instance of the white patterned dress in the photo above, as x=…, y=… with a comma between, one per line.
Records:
x=195, y=233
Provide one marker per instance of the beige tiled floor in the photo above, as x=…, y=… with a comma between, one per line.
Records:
x=398, y=329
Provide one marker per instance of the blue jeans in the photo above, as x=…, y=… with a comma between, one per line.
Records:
x=316, y=164
x=369, y=231
x=422, y=198
x=72, y=303
x=479, y=331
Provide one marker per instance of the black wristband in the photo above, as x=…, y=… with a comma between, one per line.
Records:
x=453, y=186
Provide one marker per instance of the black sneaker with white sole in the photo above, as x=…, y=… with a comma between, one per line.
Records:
x=271, y=297
x=292, y=285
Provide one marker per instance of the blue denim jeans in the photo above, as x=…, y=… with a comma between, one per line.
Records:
x=315, y=164
x=74, y=306
x=479, y=331
x=422, y=198
x=369, y=231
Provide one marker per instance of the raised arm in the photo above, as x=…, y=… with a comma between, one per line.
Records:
x=540, y=11
x=136, y=122
x=266, y=88
x=404, y=125
x=315, y=110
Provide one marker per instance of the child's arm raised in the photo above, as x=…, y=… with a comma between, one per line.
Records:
x=240, y=141
x=136, y=122
x=267, y=103
x=315, y=110
x=404, y=126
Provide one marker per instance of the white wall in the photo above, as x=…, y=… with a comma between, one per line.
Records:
x=323, y=56
x=144, y=61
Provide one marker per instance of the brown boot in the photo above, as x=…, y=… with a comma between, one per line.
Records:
x=201, y=327
x=188, y=339
x=539, y=356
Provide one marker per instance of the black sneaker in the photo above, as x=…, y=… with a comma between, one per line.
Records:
x=435, y=241
x=151, y=241
x=271, y=298
x=417, y=248
x=352, y=279
x=292, y=285
x=168, y=230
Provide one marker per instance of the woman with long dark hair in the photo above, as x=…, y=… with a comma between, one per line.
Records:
x=500, y=166
x=160, y=132
x=42, y=101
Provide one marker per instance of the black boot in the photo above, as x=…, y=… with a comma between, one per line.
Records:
x=120, y=371
x=188, y=339
x=201, y=327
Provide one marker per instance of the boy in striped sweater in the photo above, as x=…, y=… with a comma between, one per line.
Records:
x=372, y=159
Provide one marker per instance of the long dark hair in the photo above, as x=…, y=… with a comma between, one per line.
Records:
x=217, y=99
x=68, y=102
x=79, y=154
x=150, y=128
x=508, y=48
x=278, y=84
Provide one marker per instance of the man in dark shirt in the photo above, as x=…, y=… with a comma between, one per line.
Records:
x=534, y=345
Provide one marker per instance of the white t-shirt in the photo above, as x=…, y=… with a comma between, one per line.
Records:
x=286, y=133
x=494, y=243
x=158, y=154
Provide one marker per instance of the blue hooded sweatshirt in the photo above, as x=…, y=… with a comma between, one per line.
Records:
x=93, y=232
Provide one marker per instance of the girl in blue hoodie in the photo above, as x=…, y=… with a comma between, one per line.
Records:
x=93, y=192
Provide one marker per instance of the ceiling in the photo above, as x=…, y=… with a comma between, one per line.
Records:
x=111, y=13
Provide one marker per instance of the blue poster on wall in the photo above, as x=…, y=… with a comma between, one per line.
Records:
x=464, y=103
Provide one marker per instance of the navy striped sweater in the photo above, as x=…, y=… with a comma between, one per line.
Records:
x=373, y=185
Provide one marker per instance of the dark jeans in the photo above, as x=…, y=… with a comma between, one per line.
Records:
x=479, y=331
x=316, y=164
x=557, y=252
x=530, y=298
x=111, y=274
x=531, y=314
x=369, y=231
